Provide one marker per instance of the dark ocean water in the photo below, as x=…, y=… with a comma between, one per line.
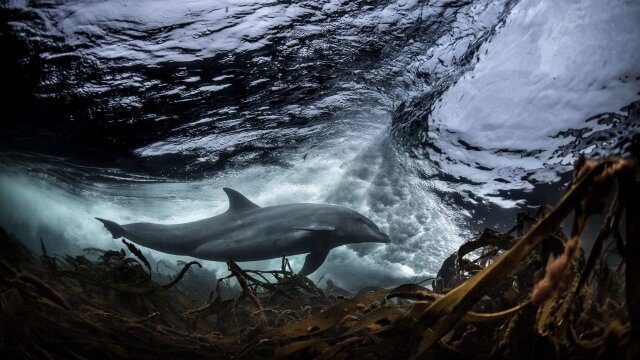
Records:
x=432, y=118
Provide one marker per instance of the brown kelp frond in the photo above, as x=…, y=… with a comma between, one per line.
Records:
x=509, y=273
x=440, y=317
x=135, y=251
x=113, y=270
x=46, y=314
x=554, y=273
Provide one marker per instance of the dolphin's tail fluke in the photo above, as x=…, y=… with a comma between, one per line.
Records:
x=117, y=231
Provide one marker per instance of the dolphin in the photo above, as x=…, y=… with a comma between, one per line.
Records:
x=248, y=232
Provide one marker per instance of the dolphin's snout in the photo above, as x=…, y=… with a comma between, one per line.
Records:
x=385, y=238
x=381, y=237
x=374, y=234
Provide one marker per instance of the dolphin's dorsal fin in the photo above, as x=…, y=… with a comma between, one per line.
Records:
x=238, y=202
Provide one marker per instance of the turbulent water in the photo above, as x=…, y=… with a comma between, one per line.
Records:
x=419, y=114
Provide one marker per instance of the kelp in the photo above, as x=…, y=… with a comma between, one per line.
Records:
x=440, y=326
x=266, y=299
x=47, y=313
x=114, y=270
x=117, y=298
x=527, y=292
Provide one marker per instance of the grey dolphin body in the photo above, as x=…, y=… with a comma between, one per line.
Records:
x=248, y=232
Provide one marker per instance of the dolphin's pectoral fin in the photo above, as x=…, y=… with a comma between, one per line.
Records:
x=238, y=202
x=314, y=228
x=313, y=261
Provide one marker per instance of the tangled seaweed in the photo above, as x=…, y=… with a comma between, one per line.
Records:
x=556, y=323
x=528, y=292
